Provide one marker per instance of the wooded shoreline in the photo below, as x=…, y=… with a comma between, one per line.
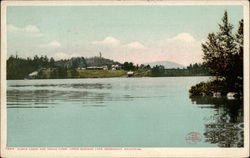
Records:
x=46, y=74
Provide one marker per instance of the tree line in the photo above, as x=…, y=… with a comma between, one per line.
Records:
x=197, y=69
x=20, y=68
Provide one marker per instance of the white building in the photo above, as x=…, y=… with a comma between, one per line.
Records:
x=130, y=73
x=33, y=74
x=115, y=67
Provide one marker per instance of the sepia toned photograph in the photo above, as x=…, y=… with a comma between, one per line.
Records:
x=120, y=79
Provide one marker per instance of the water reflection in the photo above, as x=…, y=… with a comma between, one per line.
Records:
x=225, y=127
x=87, y=94
x=27, y=106
x=52, y=97
x=80, y=86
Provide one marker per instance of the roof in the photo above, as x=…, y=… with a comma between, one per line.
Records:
x=33, y=73
x=130, y=73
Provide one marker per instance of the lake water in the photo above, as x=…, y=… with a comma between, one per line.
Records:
x=119, y=112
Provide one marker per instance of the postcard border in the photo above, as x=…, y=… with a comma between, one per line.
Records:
x=145, y=152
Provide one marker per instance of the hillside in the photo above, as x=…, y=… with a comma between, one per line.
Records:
x=82, y=62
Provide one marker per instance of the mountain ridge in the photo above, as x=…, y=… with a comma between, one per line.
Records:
x=166, y=64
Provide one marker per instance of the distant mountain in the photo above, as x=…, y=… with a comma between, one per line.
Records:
x=166, y=64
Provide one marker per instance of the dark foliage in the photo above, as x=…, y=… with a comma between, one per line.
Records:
x=192, y=70
x=19, y=68
x=128, y=66
x=223, y=54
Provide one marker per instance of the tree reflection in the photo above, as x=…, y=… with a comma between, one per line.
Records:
x=226, y=126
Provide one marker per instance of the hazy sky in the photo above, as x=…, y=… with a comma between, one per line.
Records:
x=124, y=33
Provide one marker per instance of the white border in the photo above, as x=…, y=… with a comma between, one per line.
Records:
x=145, y=152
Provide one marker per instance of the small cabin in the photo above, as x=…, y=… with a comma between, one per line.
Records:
x=105, y=67
x=130, y=73
x=94, y=68
x=33, y=75
x=231, y=95
x=81, y=68
x=216, y=94
x=97, y=68
x=115, y=67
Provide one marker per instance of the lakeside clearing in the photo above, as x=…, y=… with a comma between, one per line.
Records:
x=48, y=74
x=78, y=73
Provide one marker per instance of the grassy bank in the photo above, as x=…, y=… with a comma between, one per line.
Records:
x=54, y=74
x=142, y=73
x=60, y=73
x=101, y=73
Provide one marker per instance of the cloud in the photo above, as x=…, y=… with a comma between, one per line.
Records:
x=186, y=37
x=31, y=29
x=136, y=45
x=62, y=55
x=108, y=41
x=182, y=48
x=54, y=44
x=116, y=43
x=28, y=29
x=51, y=45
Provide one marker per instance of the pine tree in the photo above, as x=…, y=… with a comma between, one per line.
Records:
x=223, y=53
x=238, y=58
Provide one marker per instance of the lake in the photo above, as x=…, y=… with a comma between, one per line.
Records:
x=119, y=112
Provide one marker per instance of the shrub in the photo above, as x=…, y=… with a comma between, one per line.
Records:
x=207, y=88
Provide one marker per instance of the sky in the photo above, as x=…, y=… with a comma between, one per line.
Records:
x=140, y=34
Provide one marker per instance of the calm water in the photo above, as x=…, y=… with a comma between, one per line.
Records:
x=119, y=112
